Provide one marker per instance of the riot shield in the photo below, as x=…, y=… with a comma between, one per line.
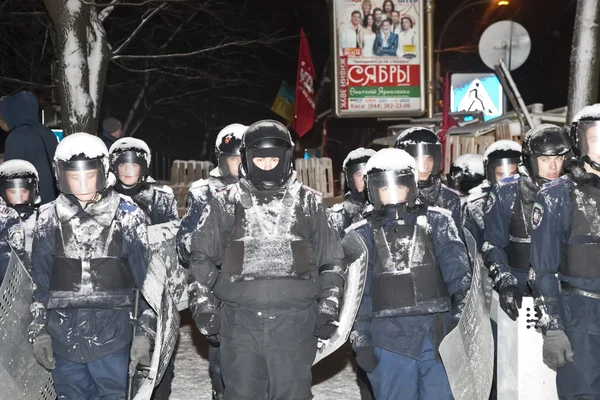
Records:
x=468, y=350
x=522, y=373
x=356, y=256
x=21, y=377
x=163, y=289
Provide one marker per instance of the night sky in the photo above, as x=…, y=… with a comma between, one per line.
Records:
x=251, y=77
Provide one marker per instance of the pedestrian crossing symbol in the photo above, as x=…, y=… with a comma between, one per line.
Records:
x=481, y=93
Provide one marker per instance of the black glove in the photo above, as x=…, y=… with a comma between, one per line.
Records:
x=510, y=301
x=209, y=324
x=366, y=358
x=42, y=351
x=325, y=327
x=557, y=349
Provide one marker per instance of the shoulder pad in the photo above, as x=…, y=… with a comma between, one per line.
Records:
x=337, y=207
x=440, y=210
x=312, y=190
x=198, y=184
x=452, y=190
x=476, y=196
x=562, y=180
x=164, y=189
x=508, y=180
x=356, y=225
x=127, y=206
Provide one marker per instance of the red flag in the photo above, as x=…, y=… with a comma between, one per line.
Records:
x=305, y=92
x=447, y=120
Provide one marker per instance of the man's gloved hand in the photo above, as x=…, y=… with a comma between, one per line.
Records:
x=557, y=349
x=42, y=351
x=366, y=358
x=139, y=354
x=325, y=327
x=458, y=300
x=510, y=301
x=209, y=324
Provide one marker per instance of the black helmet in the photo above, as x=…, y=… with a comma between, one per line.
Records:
x=354, y=162
x=130, y=150
x=543, y=140
x=466, y=172
x=419, y=142
x=228, y=143
x=15, y=175
x=501, y=153
x=81, y=152
x=389, y=168
x=587, y=123
x=267, y=138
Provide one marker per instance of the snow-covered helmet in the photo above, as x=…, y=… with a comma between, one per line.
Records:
x=543, y=140
x=16, y=175
x=466, y=172
x=585, y=135
x=420, y=142
x=502, y=153
x=387, y=169
x=130, y=151
x=355, y=161
x=228, y=143
x=267, y=138
x=81, y=153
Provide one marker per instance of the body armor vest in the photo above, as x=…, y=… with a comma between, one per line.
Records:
x=407, y=279
x=88, y=269
x=520, y=233
x=580, y=255
x=269, y=239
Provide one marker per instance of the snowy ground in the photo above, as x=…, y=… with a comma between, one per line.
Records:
x=333, y=378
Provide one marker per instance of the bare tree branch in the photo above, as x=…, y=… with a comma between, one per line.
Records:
x=102, y=15
x=141, y=3
x=26, y=83
x=145, y=20
x=242, y=43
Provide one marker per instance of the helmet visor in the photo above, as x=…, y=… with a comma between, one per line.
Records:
x=19, y=191
x=501, y=168
x=428, y=157
x=391, y=187
x=81, y=177
x=588, y=135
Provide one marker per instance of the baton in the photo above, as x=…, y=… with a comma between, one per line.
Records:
x=134, y=320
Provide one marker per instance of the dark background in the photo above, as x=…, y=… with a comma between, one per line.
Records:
x=243, y=82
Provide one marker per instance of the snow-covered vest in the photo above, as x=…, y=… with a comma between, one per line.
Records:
x=269, y=239
x=88, y=269
x=520, y=237
x=580, y=255
x=406, y=278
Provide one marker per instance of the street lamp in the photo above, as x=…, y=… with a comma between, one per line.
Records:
x=503, y=3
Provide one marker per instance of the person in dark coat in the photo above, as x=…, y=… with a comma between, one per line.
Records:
x=111, y=131
x=29, y=140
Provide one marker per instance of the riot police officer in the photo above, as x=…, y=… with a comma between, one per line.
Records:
x=281, y=278
x=425, y=147
x=564, y=240
x=227, y=150
x=416, y=286
x=90, y=250
x=510, y=203
x=343, y=214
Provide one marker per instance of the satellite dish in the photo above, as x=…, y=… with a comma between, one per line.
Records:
x=506, y=40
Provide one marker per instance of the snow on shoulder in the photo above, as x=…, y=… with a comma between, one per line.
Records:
x=237, y=130
x=502, y=145
x=80, y=143
x=588, y=112
x=470, y=162
x=357, y=154
x=391, y=159
x=12, y=168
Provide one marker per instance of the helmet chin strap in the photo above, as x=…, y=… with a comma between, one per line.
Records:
x=593, y=164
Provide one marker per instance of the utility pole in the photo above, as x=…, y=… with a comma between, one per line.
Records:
x=585, y=63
